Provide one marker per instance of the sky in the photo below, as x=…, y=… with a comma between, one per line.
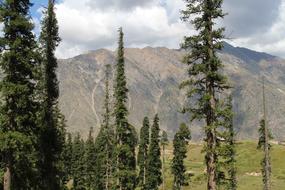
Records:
x=92, y=24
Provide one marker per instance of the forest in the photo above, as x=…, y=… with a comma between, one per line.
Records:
x=37, y=152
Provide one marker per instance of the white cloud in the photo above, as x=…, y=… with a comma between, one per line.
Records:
x=83, y=29
x=270, y=40
x=91, y=24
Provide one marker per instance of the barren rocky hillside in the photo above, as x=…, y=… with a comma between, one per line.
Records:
x=153, y=77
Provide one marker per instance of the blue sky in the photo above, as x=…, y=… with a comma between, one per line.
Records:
x=37, y=4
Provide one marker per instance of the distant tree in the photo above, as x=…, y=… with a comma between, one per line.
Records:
x=178, y=168
x=263, y=143
x=206, y=84
x=78, y=163
x=143, y=152
x=153, y=172
x=105, y=144
x=164, y=142
x=227, y=164
x=126, y=158
x=66, y=157
x=90, y=161
x=51, y=143
x=18, y=110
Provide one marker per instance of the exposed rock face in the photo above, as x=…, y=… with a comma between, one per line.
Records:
x=154, y=75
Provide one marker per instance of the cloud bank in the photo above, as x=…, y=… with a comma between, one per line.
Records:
x=92, y=24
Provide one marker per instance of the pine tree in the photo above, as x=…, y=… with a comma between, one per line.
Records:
x=126, y=160
x=105, y=144
x=143, y=152
x=164, y=142
x=51, y=136
x=263, y=143
x=231, y=162
x=67, y=159
x=265, y=162
x=18, y=109
x=78, y=163
x=227, y=164
x=178, y=168
x=90, y=161
x=205, y=83
x=153, y=172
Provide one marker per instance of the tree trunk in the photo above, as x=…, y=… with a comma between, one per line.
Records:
x=266, y=145
x=7, y=178
x=211, y=161
x=163, y=167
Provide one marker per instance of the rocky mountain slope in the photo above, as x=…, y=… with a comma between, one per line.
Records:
x=154, y=75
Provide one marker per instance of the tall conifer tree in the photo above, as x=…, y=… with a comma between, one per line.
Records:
x=51, y=136
x=178, y=168
x=153, y=172
x=164, y=143
x=78, y=163
x=227, y=164
x=105, y=143
x=90, y=161
x=143, y=152
x=263, y=143
x=18, y=128
x=126, y=160
x=205, y=82
x=67, y=154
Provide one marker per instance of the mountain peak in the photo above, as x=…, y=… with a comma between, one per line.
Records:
x=245, y=54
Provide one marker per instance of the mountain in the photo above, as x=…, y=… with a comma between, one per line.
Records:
x=154, y=75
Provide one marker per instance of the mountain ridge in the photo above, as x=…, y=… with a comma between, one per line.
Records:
x=154, y=75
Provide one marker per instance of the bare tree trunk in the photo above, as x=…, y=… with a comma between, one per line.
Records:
x=266, y=145
x=211, y=161
x=7, y=178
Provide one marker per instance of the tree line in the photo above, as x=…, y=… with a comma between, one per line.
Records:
x=38, y=153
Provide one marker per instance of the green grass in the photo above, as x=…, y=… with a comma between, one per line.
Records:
x=248, y=161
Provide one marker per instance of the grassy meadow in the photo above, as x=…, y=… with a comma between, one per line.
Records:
x=248, y=164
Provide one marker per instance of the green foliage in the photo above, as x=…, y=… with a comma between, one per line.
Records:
x=125, y=151
x=90, y=161
x=143, y=151
x=105, y=144
x=178, y=167
x=19, y=62
x=66, y=158
x=205, y=84
x=78, y=164
x=227, y=149
x=51, y=135
x=153, y=169
x=261, y=145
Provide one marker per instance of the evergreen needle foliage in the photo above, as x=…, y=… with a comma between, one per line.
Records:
x=19, y=62
x=51, y=135
x=126, y=140
x=227, y=147
x=153, y=169
x=180, y=142
x=105, y=144
x=205, y=83
x=143, y=151
x=261, y=145
x=90, y=161
x=78, y=163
